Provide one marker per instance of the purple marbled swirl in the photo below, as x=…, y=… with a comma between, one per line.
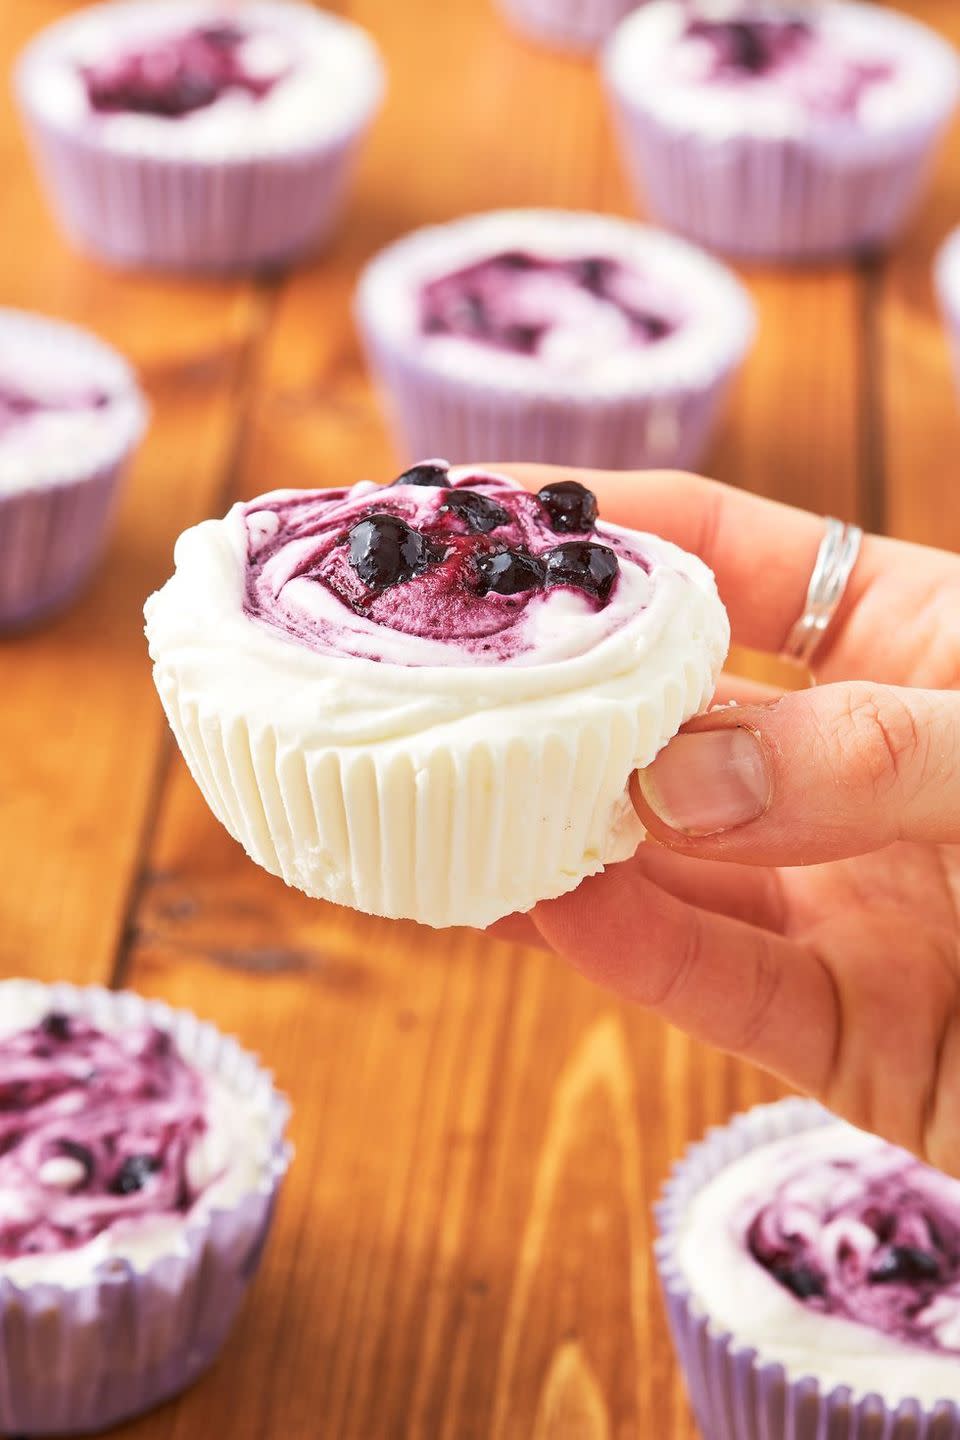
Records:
x=515, y=301
x=175, y=75
x=788, y=52
x=875, y=1241
x=95, y=1129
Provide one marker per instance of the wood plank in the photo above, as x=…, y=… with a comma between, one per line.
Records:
x=80, y=733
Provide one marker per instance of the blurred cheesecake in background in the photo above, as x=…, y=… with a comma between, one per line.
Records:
x=187, y=135
x=557, y=336
x=781, y=131
x=71, y=413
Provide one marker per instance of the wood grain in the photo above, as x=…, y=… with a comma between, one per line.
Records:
x=463, y=1250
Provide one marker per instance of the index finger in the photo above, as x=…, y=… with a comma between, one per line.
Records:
x=763, y=554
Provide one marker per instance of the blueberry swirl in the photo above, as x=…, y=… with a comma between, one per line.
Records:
x=441, y=567
x=876, y=1242
x=95, y=1129
x=547, y=309
x=175, y=75
x=18, y=404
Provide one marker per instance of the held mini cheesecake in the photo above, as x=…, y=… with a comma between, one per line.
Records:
x=427, y=701
x=567, y=24
x=70, y=416
x=785, y=131
x=812, y=1274
x=140, y=1158
x=555, y=336
x=948, y=289
x=196, y=134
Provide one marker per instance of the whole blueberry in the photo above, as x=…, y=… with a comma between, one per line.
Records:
x=800, y=1280
x=478, y=512
x=56, y=1026
x=385, y=551
x=509, y=572
x=905, y=1264
x=584, y=566
x=594, y=273
x=133, y=1174
x=427, y=474
x=571, y=507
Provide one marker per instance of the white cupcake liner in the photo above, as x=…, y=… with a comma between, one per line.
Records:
x=830, y=190
x=439, y=828
x=216, y=212
x=567, y=24
x=947, y=278
x=56, y=505
x=660, y=412
x=734, y=1392
x=82, y=1357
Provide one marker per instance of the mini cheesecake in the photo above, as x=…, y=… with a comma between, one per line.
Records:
x=555, y=336
x=71, y=414
x=426, y=701
x=785, y=131
x=192, y=136
x=140, y=1158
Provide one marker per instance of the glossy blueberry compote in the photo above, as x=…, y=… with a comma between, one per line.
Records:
x=473, y=565
x=875, y=1241
x=18, y=405
x=787, y=51
x=525, y=304
x=175, y=75
x=96, y=1128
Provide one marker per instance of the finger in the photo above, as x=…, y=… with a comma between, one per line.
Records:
x=832, y=772
x=744, y=892
x=515, y=930
x=747, y=991
x=898, y=605
x=738, y=690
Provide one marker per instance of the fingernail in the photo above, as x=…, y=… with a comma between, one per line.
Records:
x=708, y=781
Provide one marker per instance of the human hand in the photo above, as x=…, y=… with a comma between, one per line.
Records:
x=802, y=906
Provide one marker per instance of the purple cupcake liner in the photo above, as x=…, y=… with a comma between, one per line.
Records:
x=947, y=278
x=567, y=24
x=141, y=210
x=78, y=1359
x=780, y=198
x=434, y=415
x=51, y=539
x=771, y=199
x=734, y=1393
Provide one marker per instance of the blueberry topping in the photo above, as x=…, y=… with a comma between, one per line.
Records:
x=56, y=1026
x=572, y=508
x=83, y=1157
x=385, y=551
x=509, y=572
x=587, y=567
x=479, y=513
x=425, y=475
x=800, y=1280
x=747, y=46
x=905, y=1264
x=751, y=47
x=133, y=1174
x=594, y=273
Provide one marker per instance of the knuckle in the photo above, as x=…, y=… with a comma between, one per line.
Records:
x=879, y=740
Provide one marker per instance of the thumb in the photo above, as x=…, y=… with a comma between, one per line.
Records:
x=818, y=775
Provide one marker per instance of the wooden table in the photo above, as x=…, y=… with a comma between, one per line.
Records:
x=463, y=1249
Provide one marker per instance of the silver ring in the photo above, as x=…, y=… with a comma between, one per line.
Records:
x=836, y=559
